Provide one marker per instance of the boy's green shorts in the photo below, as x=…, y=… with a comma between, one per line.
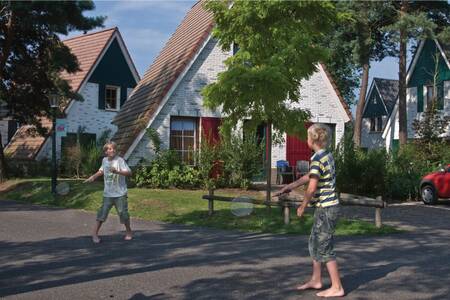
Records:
x=321, y=242
x=121, y=205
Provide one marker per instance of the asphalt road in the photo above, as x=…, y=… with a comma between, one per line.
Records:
x=46, y=253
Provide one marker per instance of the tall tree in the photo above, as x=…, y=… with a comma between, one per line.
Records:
x=358, y=41
x=278, y=47
x=32, y=56
x=415, y=20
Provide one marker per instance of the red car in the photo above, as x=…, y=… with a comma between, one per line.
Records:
x=435, y=185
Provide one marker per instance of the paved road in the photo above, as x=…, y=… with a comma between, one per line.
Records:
x=46, y=253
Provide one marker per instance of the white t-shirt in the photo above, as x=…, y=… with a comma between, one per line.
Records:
x=115, y=184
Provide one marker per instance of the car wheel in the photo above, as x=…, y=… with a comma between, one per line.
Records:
x=428, y=193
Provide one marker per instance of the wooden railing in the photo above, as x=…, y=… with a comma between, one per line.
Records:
x=287, y=202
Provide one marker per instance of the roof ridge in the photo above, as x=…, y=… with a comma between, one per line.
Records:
x=91, y=33
x=374, y=78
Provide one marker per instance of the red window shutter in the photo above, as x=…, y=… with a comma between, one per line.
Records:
x=297, y=149
x=210, y=129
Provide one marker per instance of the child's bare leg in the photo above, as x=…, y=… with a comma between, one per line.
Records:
x=95, y=237
x=336, y=289
x=129, y=234
x=316, y=278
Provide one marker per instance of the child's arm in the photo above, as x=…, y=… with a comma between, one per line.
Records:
x=121, y=172
x=95, y=176
x=288, y=188
x=122, y=169
x=312, y=187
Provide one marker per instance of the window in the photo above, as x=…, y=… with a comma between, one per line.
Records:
x=379, y=124
x=183, y=138
x=112, y=97
x=372, y=124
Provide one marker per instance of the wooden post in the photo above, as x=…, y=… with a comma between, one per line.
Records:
x=286, y=212
x=378, y=214
x=211, y=203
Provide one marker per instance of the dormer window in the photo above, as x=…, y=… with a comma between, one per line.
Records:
x=112, y=98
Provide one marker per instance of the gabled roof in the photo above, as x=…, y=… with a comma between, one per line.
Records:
x=26, y=143
x=88, y=49
x=388, y=89
x=161, y=77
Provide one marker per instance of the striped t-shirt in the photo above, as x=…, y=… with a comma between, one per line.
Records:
x=322, y=166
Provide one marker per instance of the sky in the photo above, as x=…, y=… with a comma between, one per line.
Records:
x=146, y=25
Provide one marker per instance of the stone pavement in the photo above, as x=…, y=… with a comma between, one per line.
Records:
x=46, y=253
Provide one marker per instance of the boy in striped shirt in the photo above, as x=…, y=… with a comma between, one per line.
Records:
x=321, y=193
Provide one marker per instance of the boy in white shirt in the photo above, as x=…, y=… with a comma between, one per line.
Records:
x=114, y=170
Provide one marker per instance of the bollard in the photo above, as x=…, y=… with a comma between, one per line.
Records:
x=378, y=214
x=286, y=212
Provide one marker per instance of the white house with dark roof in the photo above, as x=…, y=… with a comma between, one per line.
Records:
x=106, y=77
x=430, y=62
x=380, y=102
x=168, y=98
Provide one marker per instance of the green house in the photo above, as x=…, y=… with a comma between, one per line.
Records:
x=428, y=79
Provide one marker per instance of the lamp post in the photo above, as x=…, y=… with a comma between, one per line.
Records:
x=54, y=105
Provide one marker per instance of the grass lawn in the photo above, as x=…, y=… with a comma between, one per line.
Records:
x=178, y=206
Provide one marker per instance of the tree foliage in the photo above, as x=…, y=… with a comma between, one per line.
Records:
x=32, y=56
x=278, y=48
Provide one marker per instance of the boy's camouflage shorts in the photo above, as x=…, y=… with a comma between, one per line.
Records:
x=321, y=244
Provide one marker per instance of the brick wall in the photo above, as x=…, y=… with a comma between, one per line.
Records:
x=186, y=99
x=86, y=114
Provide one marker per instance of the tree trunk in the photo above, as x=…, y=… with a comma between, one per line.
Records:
x=3, y=166
x=269, y=162
x=402, y=118
x=361, y=104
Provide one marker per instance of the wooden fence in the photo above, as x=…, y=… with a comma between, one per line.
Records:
x=287, y=202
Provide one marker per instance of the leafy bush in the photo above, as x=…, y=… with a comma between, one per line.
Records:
x=395, y=175
x=359, y=172
x=234, y=161
x=24, y=169
x=83, y=160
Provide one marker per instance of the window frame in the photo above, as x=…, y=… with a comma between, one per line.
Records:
x=117, y=88
x=195, y=120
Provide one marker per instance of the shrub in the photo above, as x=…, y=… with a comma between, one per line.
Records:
x=242, y=159
x=358, y=171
